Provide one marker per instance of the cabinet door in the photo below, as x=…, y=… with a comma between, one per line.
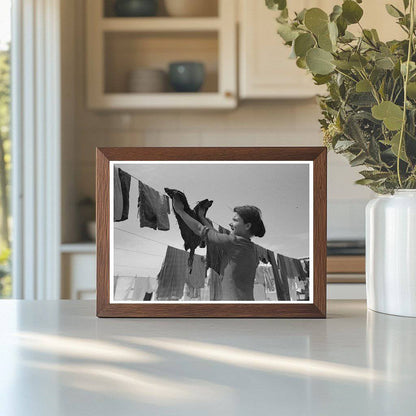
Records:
x=265, y=68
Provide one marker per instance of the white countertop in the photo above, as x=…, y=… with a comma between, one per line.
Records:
x=57, y=358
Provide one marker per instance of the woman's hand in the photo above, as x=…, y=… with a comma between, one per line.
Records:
x=177, y=204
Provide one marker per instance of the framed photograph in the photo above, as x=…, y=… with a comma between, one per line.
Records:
x=211, y=232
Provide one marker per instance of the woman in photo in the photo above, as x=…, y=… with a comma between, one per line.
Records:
x=239, y=262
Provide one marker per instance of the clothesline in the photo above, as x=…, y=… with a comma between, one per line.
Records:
x=135, y=267
x=145, y=238
x=164, y=244
x=138, y=251
x=135, y=276
x=192, y=203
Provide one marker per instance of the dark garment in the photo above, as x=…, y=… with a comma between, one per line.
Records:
x=238, y=265
x=118, y=196
x=215, y=253
x=280, y=277
x=261, y=253
x=174, y=273
x=191, y=240
x=125, y=180
x=153, y=208
x=171, y=277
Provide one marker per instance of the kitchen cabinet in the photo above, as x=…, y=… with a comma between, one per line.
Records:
x=265, y=70
x=118, y=45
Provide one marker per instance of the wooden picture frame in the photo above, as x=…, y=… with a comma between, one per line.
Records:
x=315, y=157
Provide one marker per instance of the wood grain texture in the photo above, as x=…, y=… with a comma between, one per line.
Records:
x=317, y=309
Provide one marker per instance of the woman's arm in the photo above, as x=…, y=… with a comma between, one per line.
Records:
x=193, y=224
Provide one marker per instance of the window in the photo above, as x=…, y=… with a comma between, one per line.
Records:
x=5, y=148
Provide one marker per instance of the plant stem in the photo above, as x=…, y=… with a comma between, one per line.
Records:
x=345, y=75
x=406, y=79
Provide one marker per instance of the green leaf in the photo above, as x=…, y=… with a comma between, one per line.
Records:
x=358, y=61
x=358, y=160
x=319, y=61
x=364, y=181
x=406, y=4
x=375, y=35
x=347, y=37
x=374, y=175
x=343, y=65
x=336, y=12
x=394, y=144
x=343, y=145
x=342, y=25
x=385, y=63
x=411, y=90
x=325, y=43
x=276, y=4
x=301, y=63
x=412, y=67
x=316, y=20
x=300, y=17
x=363, y=86
x=393, y=11
x=351, y=11
x=303, y=43
x=374, y=150
x=390, y=113
x=321, y=79
x=286, y=32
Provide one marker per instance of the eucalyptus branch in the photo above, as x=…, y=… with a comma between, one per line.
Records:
x=346, y=75
x=373, y=89
x=406, y=79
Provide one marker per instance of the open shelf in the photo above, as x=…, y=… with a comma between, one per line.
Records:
x=160, y=24
x=211, y=9
x=127, y=51
x=116, y=46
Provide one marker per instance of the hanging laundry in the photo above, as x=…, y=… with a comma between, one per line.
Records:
x=261, y=253
x=123, y=287
x=259, y=292
x=153, y=208
x=214, y=283
x=118, y=196
x=260, y=275
x=122, y=181
x=196, y=279
x=191, y=240
x=174, y=273
x=268, y=274
x=192, y=293
x=282, y=284
x=142, y=286
x=171, y=277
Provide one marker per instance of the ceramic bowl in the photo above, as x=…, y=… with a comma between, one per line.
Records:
x=186, y=76
x=135, y=8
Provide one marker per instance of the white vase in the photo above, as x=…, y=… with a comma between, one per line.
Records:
x=391, y=253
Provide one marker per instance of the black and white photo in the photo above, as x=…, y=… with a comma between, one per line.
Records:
x=211, y=231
